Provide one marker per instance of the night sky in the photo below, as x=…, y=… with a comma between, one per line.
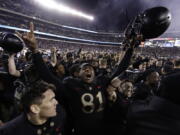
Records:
x=114, y=15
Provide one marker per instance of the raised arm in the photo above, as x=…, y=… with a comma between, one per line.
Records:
x=53, y=56
x=12, y=66
x=124, y=63
x=43, y=70
x=132, y=43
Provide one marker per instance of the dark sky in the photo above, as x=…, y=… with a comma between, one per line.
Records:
x=115, y=14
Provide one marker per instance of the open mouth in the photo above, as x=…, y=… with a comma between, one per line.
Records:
x=88, y=76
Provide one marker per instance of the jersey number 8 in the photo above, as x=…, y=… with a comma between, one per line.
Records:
x=87, y=100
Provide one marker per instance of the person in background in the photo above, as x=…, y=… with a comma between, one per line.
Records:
x=159, y=116
x=147, y=86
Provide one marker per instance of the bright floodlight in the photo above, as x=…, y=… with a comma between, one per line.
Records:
x=51, y=4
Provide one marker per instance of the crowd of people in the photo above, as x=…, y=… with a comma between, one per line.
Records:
x=54, y=87
x=34, y=11
x=38, y=13
x=11, y=19
x=160, y=52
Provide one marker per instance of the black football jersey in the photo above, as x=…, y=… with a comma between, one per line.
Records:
x=21, y=126
x=87, y=103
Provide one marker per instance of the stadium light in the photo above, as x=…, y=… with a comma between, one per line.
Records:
x=51, y=4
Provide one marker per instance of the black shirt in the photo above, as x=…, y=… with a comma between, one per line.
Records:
x=22, y=126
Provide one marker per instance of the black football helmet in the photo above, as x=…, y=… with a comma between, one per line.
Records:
x=149, y=24
x=11, y=43
x=155, y=21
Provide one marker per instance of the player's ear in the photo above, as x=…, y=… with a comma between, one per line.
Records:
x=34, y=109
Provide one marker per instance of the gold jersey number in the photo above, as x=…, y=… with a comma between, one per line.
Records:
x=87, y=100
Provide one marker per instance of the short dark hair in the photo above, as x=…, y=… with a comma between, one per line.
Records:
x=74, y=68
x=34, y=94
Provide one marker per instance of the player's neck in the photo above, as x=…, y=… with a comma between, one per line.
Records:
x=36, y=119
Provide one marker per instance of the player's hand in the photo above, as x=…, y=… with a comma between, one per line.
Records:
x=53, y=49
x=136, y=41
x=29, y=38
